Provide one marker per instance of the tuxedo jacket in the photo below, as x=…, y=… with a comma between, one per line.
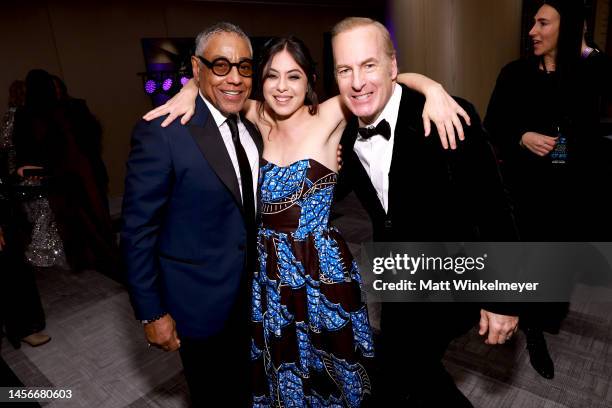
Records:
x=184, y=237
x=435, y=195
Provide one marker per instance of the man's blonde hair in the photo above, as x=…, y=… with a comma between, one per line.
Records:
x=351, y=23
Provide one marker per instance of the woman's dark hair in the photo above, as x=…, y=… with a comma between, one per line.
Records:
x=300, y=53
x=40, y=91
x=571, y=27
x=569, y=44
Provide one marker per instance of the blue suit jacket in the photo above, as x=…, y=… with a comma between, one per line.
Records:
x=184, y=238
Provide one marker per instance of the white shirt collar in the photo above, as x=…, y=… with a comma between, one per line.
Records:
x=216, y=113
x=391, y=109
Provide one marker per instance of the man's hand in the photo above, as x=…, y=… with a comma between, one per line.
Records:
x=441, y=109
x=162, y=333
x=538, y=143
x=498, y=328
x=2, y=241
x=182, y=103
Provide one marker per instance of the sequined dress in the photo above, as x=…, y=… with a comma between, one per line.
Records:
x=46, y=248
x=312, y=343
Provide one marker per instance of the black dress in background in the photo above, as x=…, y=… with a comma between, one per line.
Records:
x=553, y=202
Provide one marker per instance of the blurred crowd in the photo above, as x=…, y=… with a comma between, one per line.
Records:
x=53, y=198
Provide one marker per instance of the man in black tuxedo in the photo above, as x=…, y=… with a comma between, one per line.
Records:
x=407, y=184
x=189, y=224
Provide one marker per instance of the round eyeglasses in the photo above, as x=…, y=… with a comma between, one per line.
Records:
x=222, y=66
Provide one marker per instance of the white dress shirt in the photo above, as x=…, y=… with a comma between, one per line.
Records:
x=376, y=152
x=247, y=143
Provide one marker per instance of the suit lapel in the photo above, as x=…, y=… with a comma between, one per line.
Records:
x=404, y=142
x=205, y=132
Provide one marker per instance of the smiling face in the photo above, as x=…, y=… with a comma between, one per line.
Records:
x=285, y=85
x=545, y=31
x=365, y=73
x=229, y=92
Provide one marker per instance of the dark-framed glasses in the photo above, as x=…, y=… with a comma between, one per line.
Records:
x=222, y=66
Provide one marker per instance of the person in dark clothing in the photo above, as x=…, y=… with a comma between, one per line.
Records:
x=386, y=169
x=47, y=136
x=21, y=312
x=543, y=118
x=88, y=133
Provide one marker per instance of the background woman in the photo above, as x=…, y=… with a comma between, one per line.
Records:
x=543, y=117
x=21, y=313
x=48, y=135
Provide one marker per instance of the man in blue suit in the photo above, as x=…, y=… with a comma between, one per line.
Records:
x=189, y=224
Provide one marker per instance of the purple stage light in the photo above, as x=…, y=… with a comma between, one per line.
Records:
x=184, y=80
x=167, y=84
x=150, y=86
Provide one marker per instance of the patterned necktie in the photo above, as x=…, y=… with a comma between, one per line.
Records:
x=383, y=128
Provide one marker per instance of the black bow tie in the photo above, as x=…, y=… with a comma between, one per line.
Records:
x=382, y=129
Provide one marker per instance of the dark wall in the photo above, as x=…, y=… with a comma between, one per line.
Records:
x=96, y=48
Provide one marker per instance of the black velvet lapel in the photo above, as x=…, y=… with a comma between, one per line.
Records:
x=405, y=142
x=406, y=128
